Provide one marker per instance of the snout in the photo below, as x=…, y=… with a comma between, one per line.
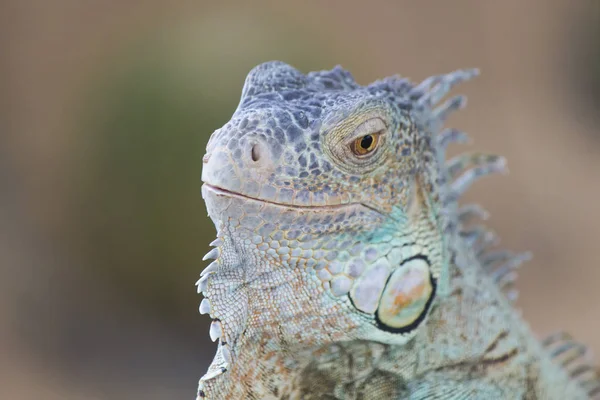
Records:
x=243, y=166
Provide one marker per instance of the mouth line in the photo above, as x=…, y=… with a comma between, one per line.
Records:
x=229, y=193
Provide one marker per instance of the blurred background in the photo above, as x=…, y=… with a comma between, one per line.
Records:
x=105, y=110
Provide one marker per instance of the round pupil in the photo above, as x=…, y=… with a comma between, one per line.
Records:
x=366, y=142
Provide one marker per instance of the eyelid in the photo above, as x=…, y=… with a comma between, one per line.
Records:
x=369, y=127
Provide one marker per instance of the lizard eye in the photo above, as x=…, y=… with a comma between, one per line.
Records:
x=366, y=144
x=357, y=144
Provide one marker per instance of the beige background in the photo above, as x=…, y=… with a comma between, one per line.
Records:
x=97, y=269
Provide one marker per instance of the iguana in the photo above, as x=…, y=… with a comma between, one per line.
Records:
x=344, y=267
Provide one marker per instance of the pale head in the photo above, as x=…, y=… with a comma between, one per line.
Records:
x=323, y=193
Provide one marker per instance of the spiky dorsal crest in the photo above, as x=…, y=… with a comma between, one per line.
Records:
x=576, y=359
x=457, y=175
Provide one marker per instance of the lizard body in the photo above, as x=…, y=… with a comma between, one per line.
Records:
x=344, y=267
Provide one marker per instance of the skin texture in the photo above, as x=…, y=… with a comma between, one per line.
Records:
x=344, y=268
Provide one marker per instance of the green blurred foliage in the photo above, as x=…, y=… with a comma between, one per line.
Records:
x=143, y=217
x=581, y=61
x=595, y=62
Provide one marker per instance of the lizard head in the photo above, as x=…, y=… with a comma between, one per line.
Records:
x=325, y=196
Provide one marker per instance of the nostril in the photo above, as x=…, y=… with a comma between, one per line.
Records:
x=255, y=152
